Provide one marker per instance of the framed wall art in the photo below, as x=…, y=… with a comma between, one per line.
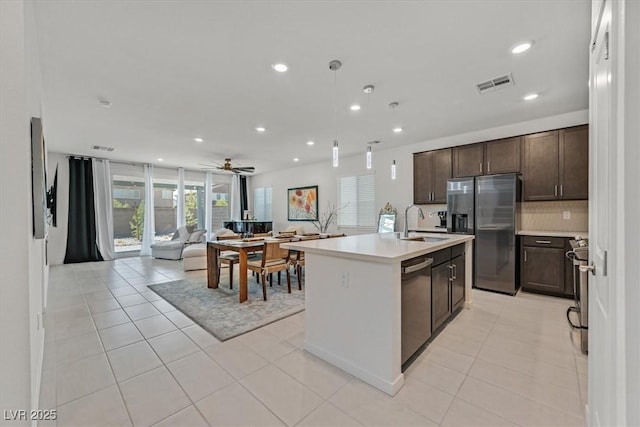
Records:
x=302, y=203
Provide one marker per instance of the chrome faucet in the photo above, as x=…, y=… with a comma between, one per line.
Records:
x=406, y=226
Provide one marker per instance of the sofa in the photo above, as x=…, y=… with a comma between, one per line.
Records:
x=194, y=256
x=173, y=248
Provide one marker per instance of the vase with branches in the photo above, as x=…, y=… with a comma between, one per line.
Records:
x=328, y=217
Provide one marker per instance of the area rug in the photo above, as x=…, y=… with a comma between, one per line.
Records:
x=218, y=310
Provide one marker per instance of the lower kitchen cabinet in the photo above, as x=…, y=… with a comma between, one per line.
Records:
x=447, y=284
x=544, y=267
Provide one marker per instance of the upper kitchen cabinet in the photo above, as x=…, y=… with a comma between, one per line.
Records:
x=431, y=171
x=468, y=160
x=556, y=165
x=574, y=163
x=485, y=158
x=503, y=155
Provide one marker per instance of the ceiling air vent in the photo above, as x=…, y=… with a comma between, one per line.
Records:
x=102, y=148
x=495, y=84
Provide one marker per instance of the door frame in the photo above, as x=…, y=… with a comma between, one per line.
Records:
x=623, y=269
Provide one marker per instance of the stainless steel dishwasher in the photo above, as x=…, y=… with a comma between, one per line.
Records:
x=416, y=304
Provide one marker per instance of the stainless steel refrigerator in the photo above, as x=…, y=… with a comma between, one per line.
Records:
x=493, y=221
x=496, y=250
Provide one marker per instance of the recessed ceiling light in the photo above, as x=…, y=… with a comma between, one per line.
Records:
x=522, y=47
x=355, y=107
x=530, y=96
x=295, y=159
x=198, y=139
x=281, y=68
x=161, y=160
x=397, y=130
x=310, y=143
x=260, y=129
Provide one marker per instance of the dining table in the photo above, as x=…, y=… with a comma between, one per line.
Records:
x=243, y=247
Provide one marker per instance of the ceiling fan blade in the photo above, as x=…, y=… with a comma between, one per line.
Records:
x=245, y=169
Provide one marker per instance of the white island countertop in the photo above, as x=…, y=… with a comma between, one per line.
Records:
x=382, y=247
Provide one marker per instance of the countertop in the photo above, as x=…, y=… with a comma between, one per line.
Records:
x=583, y=234
x=383, y=247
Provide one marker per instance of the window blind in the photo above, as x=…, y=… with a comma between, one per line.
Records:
x=358, y=194
x=262, y=204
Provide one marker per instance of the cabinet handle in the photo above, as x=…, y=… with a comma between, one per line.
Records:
x=561, y=192
x=544, y=242
x=480, y=167
x=433, y=196
x=455, y=271
x=525, y=255
x=555, y=190
x=489, y=166
x=450, y=272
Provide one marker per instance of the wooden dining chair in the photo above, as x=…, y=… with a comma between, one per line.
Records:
x=274, y=259
x=228, y=258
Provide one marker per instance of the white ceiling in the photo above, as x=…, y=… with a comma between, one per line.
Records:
x=175, y=70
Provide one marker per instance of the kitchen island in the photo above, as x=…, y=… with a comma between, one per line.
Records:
x=353, y=300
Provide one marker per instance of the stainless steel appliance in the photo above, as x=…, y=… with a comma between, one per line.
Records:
x=580, y=257
x=443, y=219
x=496, y=251
x=416, y=305
x=486, y=206
x=460, y=206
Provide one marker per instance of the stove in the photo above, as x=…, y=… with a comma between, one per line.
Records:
x=580, y=256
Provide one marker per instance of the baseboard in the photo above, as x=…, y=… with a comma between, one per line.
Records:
x=389, y=387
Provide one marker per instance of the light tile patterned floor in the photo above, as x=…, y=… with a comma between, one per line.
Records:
x=117, y=354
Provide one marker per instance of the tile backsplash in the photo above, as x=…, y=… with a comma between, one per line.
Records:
x=542, y=216
x=430, y=216
x=549, y=216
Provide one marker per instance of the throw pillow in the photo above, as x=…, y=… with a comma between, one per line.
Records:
x=196, y=235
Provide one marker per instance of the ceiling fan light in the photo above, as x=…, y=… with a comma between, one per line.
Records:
x=260, y=129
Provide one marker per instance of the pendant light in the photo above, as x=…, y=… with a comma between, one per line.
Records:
x=334, y=66
x=368, y=89
x=393, y=106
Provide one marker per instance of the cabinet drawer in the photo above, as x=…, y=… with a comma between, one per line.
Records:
x=457, y=250
x=543, y=241
x=443, y=255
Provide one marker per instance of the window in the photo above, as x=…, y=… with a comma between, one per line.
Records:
x=221, y=211
x=262, y=204
x=128, y=206
x=358, y=194
x=194, y=206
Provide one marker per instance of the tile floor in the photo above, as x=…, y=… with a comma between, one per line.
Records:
x=117, y=354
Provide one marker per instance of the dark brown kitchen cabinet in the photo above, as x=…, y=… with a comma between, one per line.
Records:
x=447, y=284
x=431, y=171
x=544, y=267
x=485, y=158
x=503, y=155
x=440, y=306
x=574, y=163
x=468, y=160
x=556, y=165
x=457, y=281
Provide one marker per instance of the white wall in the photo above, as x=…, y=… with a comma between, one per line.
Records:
x=399, y=192
x=23, y=272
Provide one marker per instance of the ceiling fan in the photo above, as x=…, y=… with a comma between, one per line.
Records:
x=235, y=169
